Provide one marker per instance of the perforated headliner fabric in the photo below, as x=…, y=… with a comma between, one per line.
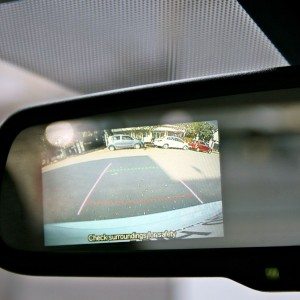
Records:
x=91, y=46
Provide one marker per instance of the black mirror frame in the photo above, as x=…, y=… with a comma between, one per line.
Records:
x=245, y=265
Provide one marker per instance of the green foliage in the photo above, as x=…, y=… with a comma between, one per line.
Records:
x=201, y=130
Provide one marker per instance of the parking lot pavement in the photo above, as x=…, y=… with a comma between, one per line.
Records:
x=210, y=228
x=124, y=183
x=177, y=163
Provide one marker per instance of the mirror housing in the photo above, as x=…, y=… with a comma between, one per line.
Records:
x=261, y=267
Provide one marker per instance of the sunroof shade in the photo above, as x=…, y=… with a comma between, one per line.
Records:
x=92, y=46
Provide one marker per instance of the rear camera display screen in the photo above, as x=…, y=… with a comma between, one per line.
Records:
x=133, y=184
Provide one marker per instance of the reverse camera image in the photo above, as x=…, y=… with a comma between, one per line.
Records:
x=131, y=184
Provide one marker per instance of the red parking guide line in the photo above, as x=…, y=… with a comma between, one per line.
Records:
x=90, y=192
x=191, y=191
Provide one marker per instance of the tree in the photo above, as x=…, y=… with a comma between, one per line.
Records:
x=201, y=130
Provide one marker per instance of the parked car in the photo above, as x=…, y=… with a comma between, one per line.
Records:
x=122, y=141
x=171, y=142
x=200, y=146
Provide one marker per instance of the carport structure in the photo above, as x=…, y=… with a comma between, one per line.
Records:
x=148, y=133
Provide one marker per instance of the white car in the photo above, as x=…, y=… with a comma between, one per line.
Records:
x=171, y=142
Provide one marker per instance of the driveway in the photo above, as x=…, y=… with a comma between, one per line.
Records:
x=125, y=183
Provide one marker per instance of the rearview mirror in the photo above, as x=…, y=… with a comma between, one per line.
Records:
x=196, y=178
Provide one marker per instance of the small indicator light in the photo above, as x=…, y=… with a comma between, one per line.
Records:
x=272, y=273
